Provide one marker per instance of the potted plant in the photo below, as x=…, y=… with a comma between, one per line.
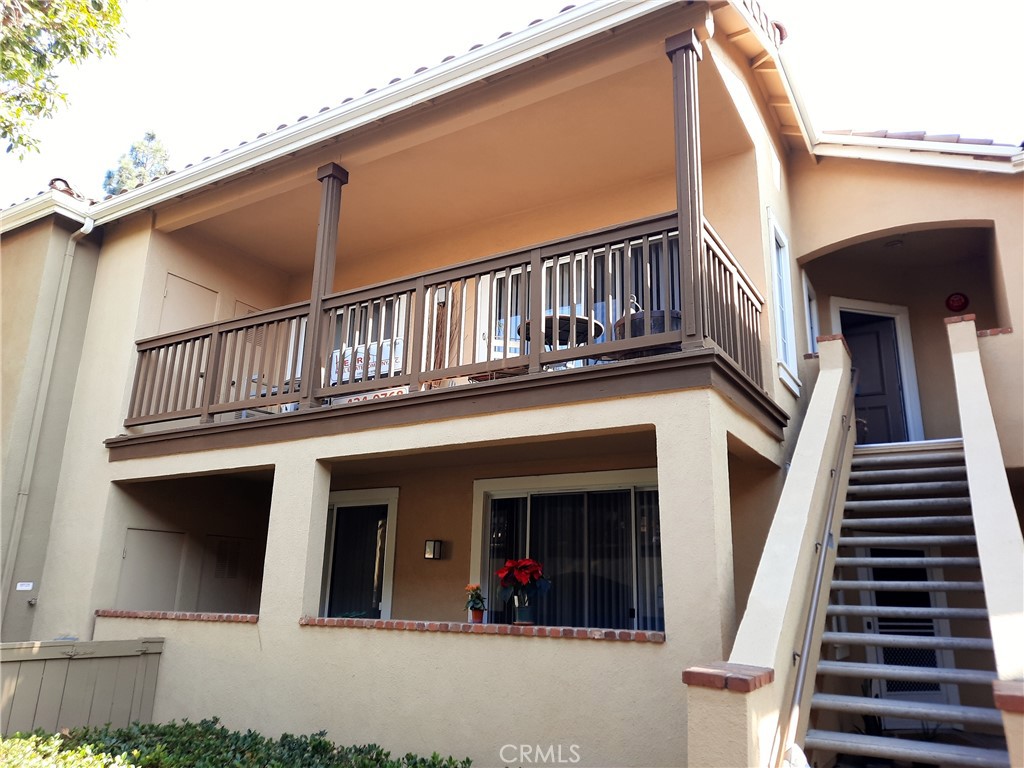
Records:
x=475, y=603
x=522, y=580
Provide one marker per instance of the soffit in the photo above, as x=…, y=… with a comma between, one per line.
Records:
x=616, y=128
x=636, y=444
x=910, y=252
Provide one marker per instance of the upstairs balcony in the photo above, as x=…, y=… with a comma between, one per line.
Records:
x=563, y=307
x=462, y=273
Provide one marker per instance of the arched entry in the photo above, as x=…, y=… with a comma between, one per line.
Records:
x=887, y=293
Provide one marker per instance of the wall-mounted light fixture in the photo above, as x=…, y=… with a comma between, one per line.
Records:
x=441, y=294
x=432, y=549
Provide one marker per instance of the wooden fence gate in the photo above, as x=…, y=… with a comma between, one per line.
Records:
x=64, y=684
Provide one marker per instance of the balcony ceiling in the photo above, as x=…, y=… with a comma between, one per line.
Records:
x=615, y=129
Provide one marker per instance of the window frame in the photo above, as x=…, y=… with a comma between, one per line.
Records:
x=785, y=319
x=366, y=497
x=505, y=487
x=811, y=310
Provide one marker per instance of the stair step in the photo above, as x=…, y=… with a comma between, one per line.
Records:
x=908, y=474
x=906, y=459
x=906, y=749
x=925, y=489
x=910, y=710
x=901, y=672
x=881, y=523
x=908, y=505
x=908, y=641
x=902, y=542
x=908, y=562
x=900, y=612
x=909, y=586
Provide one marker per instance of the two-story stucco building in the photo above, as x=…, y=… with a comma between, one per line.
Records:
x=557, y=298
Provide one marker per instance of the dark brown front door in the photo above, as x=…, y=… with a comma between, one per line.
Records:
x=872, y=341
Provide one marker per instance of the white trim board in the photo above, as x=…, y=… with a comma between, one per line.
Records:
x=905, y=352
x=367, y=497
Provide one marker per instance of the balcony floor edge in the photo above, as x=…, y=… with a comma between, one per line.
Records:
x=691, y=369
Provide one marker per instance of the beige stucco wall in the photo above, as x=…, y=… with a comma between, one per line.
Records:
x=1000, y=359
x=755, y=201
x=47, y=289
x=754, y=488
x=878, y=197
x=216, y=267
x=25, y=254
x=885, y=198
x=303, y=670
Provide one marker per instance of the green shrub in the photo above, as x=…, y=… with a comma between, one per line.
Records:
x=208, y=744
x=37, y=751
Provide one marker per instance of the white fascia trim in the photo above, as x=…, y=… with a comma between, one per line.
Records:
x=534, y=42
x=39, y=207
x=945, y=147
x=938, y=154
x=803, y=117
x=932, y=158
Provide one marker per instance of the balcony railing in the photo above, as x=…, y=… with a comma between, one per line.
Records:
x=594, y=300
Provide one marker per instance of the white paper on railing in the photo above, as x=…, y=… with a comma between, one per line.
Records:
x=355, y=364
x=379, y=394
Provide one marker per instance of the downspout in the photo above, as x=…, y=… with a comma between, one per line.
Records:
x=38, y=409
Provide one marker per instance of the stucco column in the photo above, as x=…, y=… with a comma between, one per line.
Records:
x=295, y=541
x=696, y=543
x=332, y=178
x=684, y=51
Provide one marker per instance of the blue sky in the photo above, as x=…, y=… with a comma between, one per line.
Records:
x=207, y=75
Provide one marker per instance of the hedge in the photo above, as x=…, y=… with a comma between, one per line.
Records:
x=205, y=744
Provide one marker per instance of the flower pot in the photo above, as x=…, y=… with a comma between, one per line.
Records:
x=525, y=615
x=477, y=615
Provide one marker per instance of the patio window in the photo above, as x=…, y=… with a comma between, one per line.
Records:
x=600, y=548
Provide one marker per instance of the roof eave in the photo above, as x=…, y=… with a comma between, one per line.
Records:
x=968, y=157
x=771, y=43
x=531, y=43
x=42, y=205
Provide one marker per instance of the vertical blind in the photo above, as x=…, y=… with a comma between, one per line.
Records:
x=600, y=549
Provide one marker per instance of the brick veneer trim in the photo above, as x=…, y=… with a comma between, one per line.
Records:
x=235, y=618
x=995, y=332
x=1009, y=695
x=741, y=678
x=456, y=627
x=960, y=319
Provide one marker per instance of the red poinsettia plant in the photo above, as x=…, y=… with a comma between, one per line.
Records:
x=522, y=577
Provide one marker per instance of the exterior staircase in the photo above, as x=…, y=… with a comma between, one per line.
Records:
x=906, y=666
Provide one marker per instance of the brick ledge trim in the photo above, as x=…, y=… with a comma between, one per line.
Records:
x=741, y=678
x=456, y=627
x=1009, y=695
x=231, y=618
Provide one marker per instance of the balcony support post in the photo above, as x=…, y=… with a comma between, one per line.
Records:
x=684, y=51
x=332, y=178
